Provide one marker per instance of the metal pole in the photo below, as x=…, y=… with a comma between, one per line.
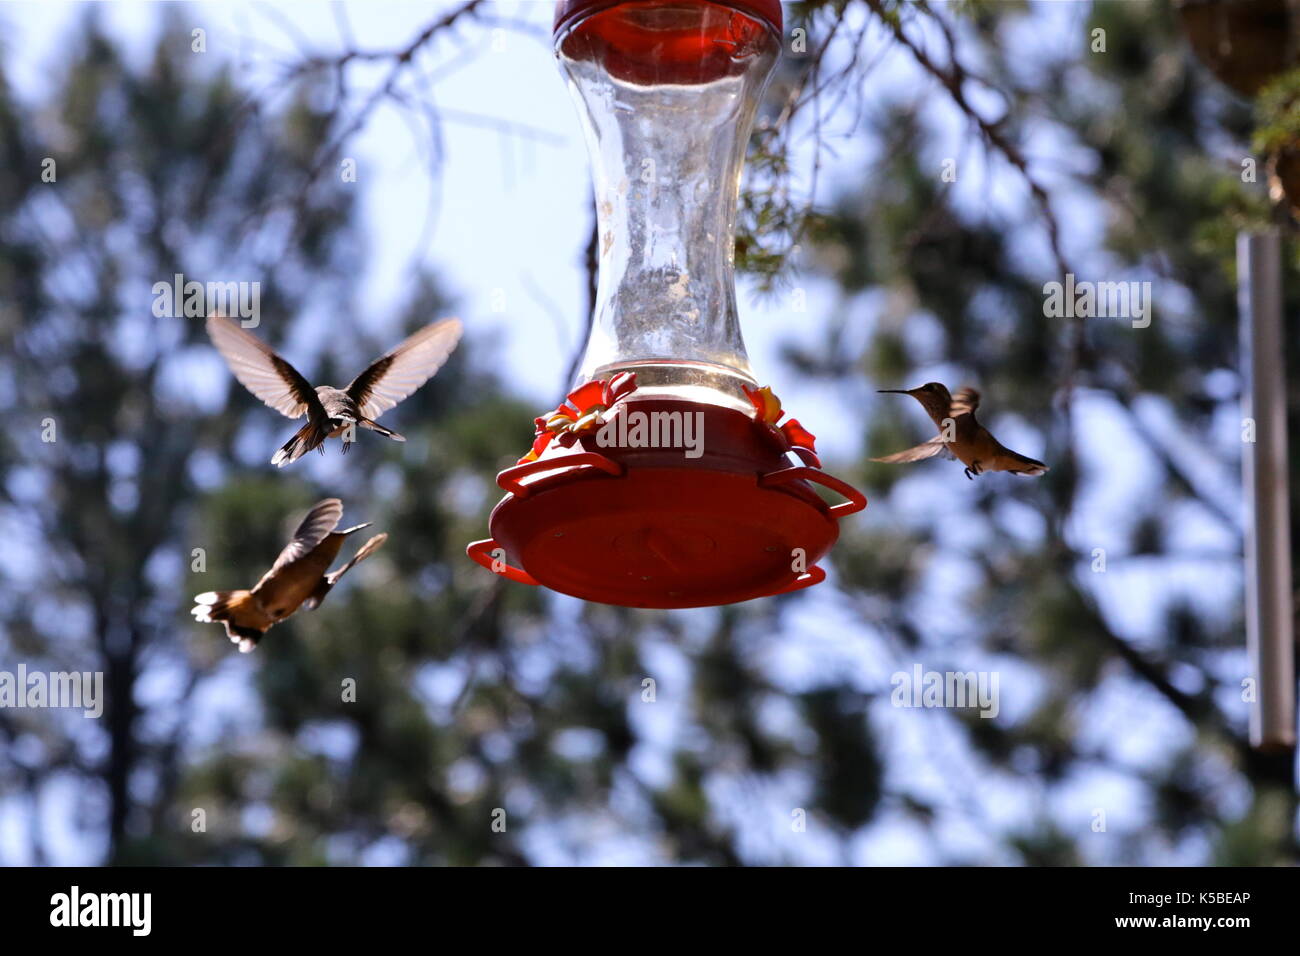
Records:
x=1270, y=636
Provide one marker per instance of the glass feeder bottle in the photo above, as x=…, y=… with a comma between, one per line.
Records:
x=667, y=92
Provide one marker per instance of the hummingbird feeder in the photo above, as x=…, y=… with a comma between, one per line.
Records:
x=667, y=478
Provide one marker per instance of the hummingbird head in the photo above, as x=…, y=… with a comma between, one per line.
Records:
x=933, y=396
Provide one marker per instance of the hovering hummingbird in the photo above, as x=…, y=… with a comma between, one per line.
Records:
x=298, y=578
x=960, y=435
x=333, y=411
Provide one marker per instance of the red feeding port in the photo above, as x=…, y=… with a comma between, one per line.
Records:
x=649, y=527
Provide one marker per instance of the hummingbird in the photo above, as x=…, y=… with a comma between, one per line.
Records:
x=960, y=435
x=332, y=411
x=298, y=578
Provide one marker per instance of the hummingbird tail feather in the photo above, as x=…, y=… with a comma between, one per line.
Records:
x=303, y=441
x=212, y=606
x=1026, y=465
x=221, y=607
x=376, y=427
x=1033, y=469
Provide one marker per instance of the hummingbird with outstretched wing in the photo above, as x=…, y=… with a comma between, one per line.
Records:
x=300, y=577
x=960, y=435
x=333, y=411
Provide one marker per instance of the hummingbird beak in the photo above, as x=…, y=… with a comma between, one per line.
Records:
x=894, y=391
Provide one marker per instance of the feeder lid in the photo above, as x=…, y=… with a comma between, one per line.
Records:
x=568, y=12
x=679, y=42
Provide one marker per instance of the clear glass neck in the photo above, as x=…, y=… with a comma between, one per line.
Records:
x=667, y=94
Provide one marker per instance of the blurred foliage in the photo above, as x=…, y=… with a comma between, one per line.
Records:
x=1277, y=110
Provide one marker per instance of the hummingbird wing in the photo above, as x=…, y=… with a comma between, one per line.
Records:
x=260, y=370
x=320, y=521
x=363, y=552
x=927, y=449
x=964, y=402
x=398, y=373
x=331, y=579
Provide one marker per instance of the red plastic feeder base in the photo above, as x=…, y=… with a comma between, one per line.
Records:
x=652, y=528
